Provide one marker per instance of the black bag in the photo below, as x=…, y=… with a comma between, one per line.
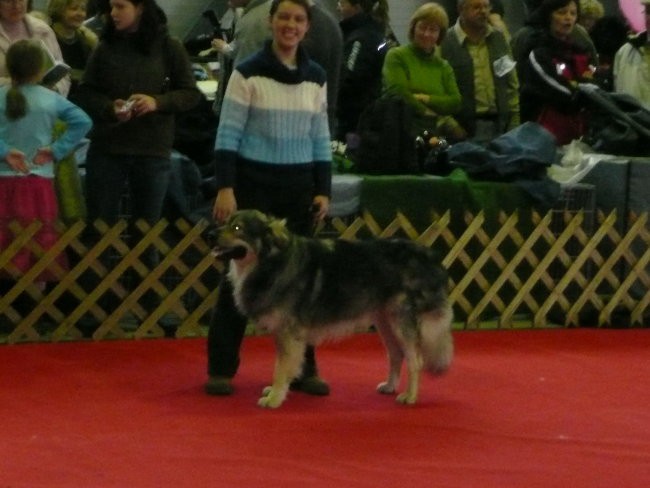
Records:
x=433, y=160
x=386, y=142
x=617, y=123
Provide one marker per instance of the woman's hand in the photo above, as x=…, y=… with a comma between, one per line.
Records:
x=424, y=99
x=122, y=109
x=225, y=205
x=142, y=104
x=429, y=113
x=322, y=206
x=421, y=97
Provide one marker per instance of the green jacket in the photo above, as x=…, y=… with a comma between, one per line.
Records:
x=408, y=70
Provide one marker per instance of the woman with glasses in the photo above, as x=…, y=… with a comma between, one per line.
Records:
x=425, y=80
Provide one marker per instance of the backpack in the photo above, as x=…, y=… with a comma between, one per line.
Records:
x=386, y=143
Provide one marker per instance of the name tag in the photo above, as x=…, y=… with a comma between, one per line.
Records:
x=503, y=66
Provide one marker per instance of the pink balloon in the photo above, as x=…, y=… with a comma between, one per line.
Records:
x=634, y=13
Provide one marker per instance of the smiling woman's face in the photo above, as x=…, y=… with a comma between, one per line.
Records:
x=426, y=35
x=289, y=24
x=563, y=20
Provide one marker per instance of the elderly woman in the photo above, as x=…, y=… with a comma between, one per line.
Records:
x=16, y=24
x=556, y=64
x=416, y=72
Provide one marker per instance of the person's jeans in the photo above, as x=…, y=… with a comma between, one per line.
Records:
x=148, y=180
x=106, y=176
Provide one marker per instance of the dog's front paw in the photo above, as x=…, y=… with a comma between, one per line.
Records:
x=406, y=398
x=386, y=388
x=271, y=398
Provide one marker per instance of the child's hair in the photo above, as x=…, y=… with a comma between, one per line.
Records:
x=25, y=60
x=56, y=8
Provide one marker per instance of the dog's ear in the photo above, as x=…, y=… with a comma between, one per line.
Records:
x=279, y=233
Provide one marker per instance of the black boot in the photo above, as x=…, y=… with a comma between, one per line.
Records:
x=309, y=382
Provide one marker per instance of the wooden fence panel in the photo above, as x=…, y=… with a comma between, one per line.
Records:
x=525, y=272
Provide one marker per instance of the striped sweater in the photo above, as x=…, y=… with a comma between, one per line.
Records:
x=273, y=115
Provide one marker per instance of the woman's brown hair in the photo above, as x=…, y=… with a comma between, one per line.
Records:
x=430, y=12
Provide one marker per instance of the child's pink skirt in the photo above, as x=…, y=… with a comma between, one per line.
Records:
x=24, y=199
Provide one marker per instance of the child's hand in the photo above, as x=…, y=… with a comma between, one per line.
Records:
x=43, y=156
x=16, y=161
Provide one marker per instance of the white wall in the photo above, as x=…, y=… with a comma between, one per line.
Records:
x=185, y=15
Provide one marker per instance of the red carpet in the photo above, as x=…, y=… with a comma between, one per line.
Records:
x=547, y=408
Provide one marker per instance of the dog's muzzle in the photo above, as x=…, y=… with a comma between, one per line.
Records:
x=222, y=252
x=237, y=252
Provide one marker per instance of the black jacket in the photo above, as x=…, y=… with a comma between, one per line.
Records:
x=542, y=84
x=364, y=48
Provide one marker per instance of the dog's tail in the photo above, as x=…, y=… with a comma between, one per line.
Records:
x=436, y=341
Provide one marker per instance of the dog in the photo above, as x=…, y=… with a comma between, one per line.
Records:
x=307, y=290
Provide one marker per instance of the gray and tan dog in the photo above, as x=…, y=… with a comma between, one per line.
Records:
x=303, y=291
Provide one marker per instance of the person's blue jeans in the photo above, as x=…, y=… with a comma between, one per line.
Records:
x=106, y=176
x=148, y=181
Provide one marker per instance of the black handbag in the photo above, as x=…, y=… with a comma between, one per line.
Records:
x=386, y=141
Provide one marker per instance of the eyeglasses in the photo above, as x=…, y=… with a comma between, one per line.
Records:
x=427, y=28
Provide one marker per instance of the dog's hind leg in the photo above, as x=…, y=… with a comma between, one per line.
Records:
x=437, y=343
x=290, y=352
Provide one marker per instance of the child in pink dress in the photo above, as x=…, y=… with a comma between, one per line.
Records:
x=28, y=112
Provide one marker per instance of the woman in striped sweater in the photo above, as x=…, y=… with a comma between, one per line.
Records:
x=272, y=154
